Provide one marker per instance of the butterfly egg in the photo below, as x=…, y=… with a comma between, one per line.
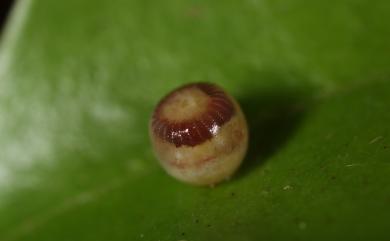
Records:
x=199, y=134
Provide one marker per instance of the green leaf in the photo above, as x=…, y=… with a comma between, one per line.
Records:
x=79, y=79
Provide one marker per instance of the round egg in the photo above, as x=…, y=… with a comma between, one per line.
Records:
x=199, y=134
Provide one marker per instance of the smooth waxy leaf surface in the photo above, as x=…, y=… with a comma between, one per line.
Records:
x=79, y=80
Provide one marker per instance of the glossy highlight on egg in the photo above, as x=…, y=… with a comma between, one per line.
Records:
x=199, y=134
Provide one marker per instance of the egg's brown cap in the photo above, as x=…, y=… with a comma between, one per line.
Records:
x=192, y=114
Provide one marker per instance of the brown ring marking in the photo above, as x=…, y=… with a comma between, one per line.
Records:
x=201, y=162
x=194, y=132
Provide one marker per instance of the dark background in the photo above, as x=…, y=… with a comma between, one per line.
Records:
x=5, y=6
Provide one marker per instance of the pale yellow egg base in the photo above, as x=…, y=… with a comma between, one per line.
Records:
x=210, y=162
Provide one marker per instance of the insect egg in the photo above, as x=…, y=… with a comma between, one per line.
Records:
x=199, y=134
